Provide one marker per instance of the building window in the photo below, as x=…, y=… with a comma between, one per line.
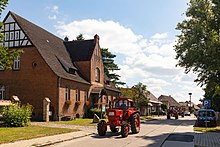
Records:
x=85, y=96
x=97, y=75
x=16, y=65
x=2, y=92
x=6, y=37
x=106, y=99
x=77, y=95
x=67, y=94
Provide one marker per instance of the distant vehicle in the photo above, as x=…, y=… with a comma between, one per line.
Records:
x=187, y=113
x=172, y=112
x=206, y=117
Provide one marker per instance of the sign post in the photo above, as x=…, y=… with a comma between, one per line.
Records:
x=206, y=104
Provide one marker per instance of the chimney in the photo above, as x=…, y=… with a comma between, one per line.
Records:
x=66, y=39
x=96, y=38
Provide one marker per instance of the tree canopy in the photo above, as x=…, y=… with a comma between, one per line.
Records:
x=141, y=95
x=6, y=56
x=80, y=37
x=110, y=66
x=197, y=48
x=198, y=45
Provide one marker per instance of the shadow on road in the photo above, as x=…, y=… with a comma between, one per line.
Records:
x=110, y=135
x=158, y=140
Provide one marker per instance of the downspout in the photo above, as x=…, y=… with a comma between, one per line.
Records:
x=58, y=114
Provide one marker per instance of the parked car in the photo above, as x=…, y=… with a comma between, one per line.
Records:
x=186, y=113
x=206, y=117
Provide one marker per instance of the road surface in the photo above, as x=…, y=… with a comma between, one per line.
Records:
x=155, y=133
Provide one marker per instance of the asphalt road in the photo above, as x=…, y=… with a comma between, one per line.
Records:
x=157, y=133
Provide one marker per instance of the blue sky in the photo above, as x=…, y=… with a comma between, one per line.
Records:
x=141, y=33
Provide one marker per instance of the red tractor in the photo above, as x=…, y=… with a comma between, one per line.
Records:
x=122, y=115
x=172, y=112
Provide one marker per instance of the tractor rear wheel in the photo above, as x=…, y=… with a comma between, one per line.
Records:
x=102, y=128
x=135, y=123
x=176, y=116
x=124, y=129
x=114, y=129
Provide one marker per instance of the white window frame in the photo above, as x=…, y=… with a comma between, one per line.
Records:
x=16, y=65
x=77, y=95
x=85, y=96
x=97, y=74
x=67, y=94
x=2, y=92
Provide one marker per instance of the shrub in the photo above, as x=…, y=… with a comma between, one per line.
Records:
x=17, y=115
x=96, y=111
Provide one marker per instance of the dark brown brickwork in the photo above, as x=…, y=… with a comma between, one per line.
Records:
x=31, y=84
x=73, y=108
x=49, y=65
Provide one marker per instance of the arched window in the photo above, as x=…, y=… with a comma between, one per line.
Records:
x=97, y=75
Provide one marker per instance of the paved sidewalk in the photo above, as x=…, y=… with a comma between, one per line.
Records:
x=207, y=139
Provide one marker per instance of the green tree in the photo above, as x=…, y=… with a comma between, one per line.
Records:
x=197, y=47
x=127, y=92
x=80, y=37
x=141, y=95
x=110, y=66
x=163, y=107
x=6, y=55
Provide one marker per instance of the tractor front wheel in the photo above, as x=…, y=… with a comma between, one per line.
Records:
x=102, y=128
x=114, y=129
x=135, y=123
x=124, y=129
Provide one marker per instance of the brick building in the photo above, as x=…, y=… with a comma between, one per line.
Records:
x=69, y=73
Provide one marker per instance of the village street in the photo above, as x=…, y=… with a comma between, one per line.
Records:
x=153, y=133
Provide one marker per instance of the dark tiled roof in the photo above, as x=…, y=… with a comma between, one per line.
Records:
x=169, y=99
x=152, y=98
x=80, y=50
x=50, y=47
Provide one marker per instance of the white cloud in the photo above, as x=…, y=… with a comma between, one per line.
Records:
x=55, y=9
x=151, y=61
x=53, y=12
x=53, y=17
x=110, y=32
x=159, y=36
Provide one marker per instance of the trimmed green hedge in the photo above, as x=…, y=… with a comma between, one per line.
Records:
x=17, y=115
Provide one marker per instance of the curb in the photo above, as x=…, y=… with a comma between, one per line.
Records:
x=55, y=142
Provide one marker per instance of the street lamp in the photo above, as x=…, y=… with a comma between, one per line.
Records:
x=190, y=100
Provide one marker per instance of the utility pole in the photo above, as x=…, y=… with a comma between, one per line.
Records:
x=190, y=94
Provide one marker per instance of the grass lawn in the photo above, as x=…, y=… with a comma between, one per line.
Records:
x=149, y=117
x=208, y=129
x=80, y=122
x=8, y=134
